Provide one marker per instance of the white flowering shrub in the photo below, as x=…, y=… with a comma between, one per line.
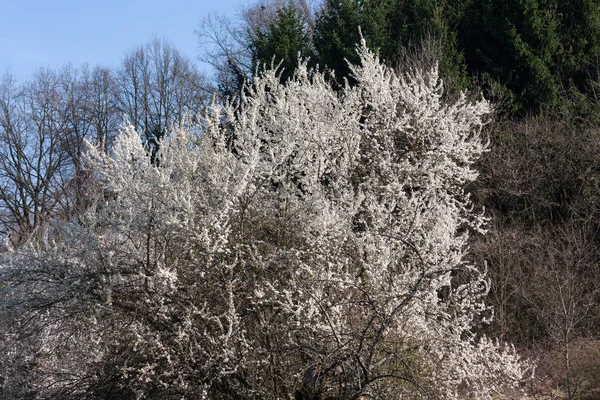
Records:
x=304, y=244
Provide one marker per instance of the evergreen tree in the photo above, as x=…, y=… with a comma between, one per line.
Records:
x=338, y=28
x=390, y=27
x=519, y=45
x=282, y=41
x=579, y=56
x=417, y=21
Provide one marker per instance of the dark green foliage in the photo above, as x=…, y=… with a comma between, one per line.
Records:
x=390, y=26
x=337, y=31
x=514, y=42
x=432, y=20
x=529, y=55
x=282, y=41
x=542, y=51
x=580, y=45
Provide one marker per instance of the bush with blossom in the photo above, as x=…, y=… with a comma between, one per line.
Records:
x=299, y=243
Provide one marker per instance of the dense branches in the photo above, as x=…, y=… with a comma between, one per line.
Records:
x=158, y=87
x=301, y=241
x=539, y=184
x=310, y=246
x=44, y=122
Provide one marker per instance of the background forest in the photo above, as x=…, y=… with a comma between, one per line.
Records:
x=537, y=62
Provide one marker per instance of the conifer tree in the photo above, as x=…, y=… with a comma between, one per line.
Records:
x=393, y=27
x=283, y=42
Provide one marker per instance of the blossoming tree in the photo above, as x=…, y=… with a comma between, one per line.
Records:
x=300, y=243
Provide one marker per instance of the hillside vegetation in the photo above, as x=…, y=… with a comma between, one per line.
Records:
x=369, y=199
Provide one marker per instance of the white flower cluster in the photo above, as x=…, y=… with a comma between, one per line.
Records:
x=301, y=242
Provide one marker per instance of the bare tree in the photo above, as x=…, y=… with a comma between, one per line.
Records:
x=228, y=45
x=540, y=182
x=100, y=106
x=32, y=154
x=157, y=88
x=88, y=107
x=43, y=125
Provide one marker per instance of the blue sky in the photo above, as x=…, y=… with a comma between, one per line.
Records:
x=51, y=33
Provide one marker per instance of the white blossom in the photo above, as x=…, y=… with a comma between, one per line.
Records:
x=302, y=240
